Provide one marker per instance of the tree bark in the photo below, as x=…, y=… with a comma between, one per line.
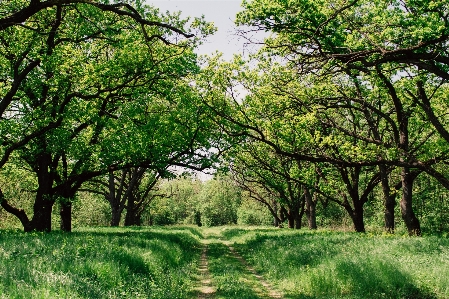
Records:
x=408, y=215
x=357, y=217
x=389, y=200
x=66, y=216
x=44, y=201
x=310, y=209
x=291, y=218
x=299, y=215
x=131, y=217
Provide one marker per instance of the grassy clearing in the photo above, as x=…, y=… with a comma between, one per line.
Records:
x=326, y=264
x=100, y=263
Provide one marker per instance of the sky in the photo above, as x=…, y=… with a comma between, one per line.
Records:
x=221, y=12
x=225, y=40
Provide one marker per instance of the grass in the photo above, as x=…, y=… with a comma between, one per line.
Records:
x=325, y=264
x=99, y=263
x=163, y=263
x=230, y=277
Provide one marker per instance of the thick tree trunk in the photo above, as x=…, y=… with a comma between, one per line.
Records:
x=299, y=214
x=283, y=214
x=114, y=199
x=408, y=215
x=44, y=201
x=131, y=217
x=116, y=215
x=291, y=218
x=389, y=199
x=274, y=212
x=356, y=214
x=66, y=216
x=41, y=221
x=298, y=219
x=310, y=209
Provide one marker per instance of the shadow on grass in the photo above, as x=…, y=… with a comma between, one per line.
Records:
x=375, y=280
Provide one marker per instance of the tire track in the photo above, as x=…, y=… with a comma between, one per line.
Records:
x=206, y=290
x=272, y=293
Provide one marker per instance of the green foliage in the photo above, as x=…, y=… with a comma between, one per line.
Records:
x=90, y=210
x=191, y=201
x=179, y=203
x=219, y=199
x=19, y=186
x=251, y=212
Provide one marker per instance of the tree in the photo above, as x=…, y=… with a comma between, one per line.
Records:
x=79, y=81
x=272, y=180
x=384, y=40
x=127, y=188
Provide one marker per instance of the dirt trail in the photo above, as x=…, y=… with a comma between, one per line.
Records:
x=206, y=290
x=272, y=293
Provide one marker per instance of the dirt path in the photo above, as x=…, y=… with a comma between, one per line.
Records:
x=272, y=293
x=206, y=290
x=253, y=281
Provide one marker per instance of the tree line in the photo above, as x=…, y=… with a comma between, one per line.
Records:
x=344, y=102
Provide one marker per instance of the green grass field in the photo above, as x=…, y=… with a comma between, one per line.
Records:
x=163, y=263
x=327, y=264
x=99, y=263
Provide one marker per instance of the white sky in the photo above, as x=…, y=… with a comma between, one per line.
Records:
x=225, y=40
x=221, y=12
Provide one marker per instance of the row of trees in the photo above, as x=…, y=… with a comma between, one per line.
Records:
x=89, y=89
x=346, y=100
x=345, y=96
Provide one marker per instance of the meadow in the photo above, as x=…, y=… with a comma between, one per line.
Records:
x=163, y=262
x=99, y=263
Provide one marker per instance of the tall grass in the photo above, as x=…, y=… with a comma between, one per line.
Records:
x=99, y=263
x=327, y=264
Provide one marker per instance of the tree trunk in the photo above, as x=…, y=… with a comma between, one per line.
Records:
x=274, y=212
x=299, y=214
x=310, y=209
x=44, y=201
x=409, y=217
x=298, y=218
x=130, y=218
x=116, y=215
x=41, y=221
x=66, y=216
x=291, y=218
x=389, y=199
x=357, y=216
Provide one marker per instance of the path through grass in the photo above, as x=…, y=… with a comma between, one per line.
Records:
x=192, y=263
